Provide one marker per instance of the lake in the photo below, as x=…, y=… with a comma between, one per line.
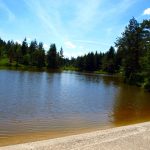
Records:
x=36, y=105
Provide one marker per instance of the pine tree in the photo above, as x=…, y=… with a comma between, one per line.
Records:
x=32, y=52
x=52, y=57
x=130, y=43
x=24, y=47
x=40, y=56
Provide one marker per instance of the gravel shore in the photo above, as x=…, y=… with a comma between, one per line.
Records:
x=132, y=137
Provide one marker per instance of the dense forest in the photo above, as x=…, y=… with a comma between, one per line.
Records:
x=131, y=57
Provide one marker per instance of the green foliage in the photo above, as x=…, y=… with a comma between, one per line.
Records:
x=109, y=61
x=26, y=59
x=134, y=47
x=130, y=44
x=24, y=47
x=52, y=57
x=89, y=62
x=15, y=54
x=40, y=56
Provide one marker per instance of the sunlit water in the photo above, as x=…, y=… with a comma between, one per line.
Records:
x=43, y=102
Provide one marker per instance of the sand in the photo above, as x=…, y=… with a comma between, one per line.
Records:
x=132, y=137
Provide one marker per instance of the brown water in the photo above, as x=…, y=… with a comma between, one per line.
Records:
x=38, y=105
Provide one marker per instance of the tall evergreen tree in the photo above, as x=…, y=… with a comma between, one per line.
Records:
x=109, y=61
x=40, y=56
x=52, y=57
x=61, y=57
x=130, y=42
x=32, y=52
x=2, y=48
x=24, y=47
x=10, y=49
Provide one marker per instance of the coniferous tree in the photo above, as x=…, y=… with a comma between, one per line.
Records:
x=52, y=57
x=40, y=56
x=24, y=52
x=24, y=47
x=17, y=53
x=109, y=61
x=10, y=49
x=61, y=57
x=32, y=52
x=130, y=44
x=2, y=48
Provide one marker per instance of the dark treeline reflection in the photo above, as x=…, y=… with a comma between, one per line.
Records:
x=98, y=78
x=131, y=105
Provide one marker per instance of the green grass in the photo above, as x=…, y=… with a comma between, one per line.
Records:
x=4, y=62
x=70, y=68
x=100, y=72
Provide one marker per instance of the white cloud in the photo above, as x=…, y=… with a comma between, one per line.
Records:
x=28, y=39
x=146, y=11
x=19, y=42
x=70, y=45
x=73, y=54
x=45, y=46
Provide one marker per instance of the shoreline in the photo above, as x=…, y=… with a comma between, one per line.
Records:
x=135, y=136
x=29, y=137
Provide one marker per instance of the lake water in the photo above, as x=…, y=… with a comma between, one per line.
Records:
x=40, y=102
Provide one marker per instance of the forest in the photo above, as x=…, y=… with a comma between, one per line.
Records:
x=130, y=57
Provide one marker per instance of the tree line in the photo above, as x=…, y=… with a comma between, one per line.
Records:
x=32, y=54
x=131, y=57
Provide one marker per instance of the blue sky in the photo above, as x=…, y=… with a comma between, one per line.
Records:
x=79, y=26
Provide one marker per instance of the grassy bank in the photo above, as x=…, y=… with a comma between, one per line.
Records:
x=4, y=64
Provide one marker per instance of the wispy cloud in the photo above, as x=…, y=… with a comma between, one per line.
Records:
x=117, y=9
x=91, y=42
x=92, y=14
x=70, y=45
x=123, y=6
x=86, y=12
x=85, y=15
x=46, y=18
x=146, y=11
x=73, y=54
x=5, y=9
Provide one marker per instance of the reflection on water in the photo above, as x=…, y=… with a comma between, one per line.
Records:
x=39, y=102
x=131, y=105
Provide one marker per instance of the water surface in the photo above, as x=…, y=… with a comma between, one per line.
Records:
x=41, y=102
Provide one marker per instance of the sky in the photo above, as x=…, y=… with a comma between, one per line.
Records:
x=79, y=26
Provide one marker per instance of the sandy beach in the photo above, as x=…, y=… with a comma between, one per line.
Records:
x=131, y=137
